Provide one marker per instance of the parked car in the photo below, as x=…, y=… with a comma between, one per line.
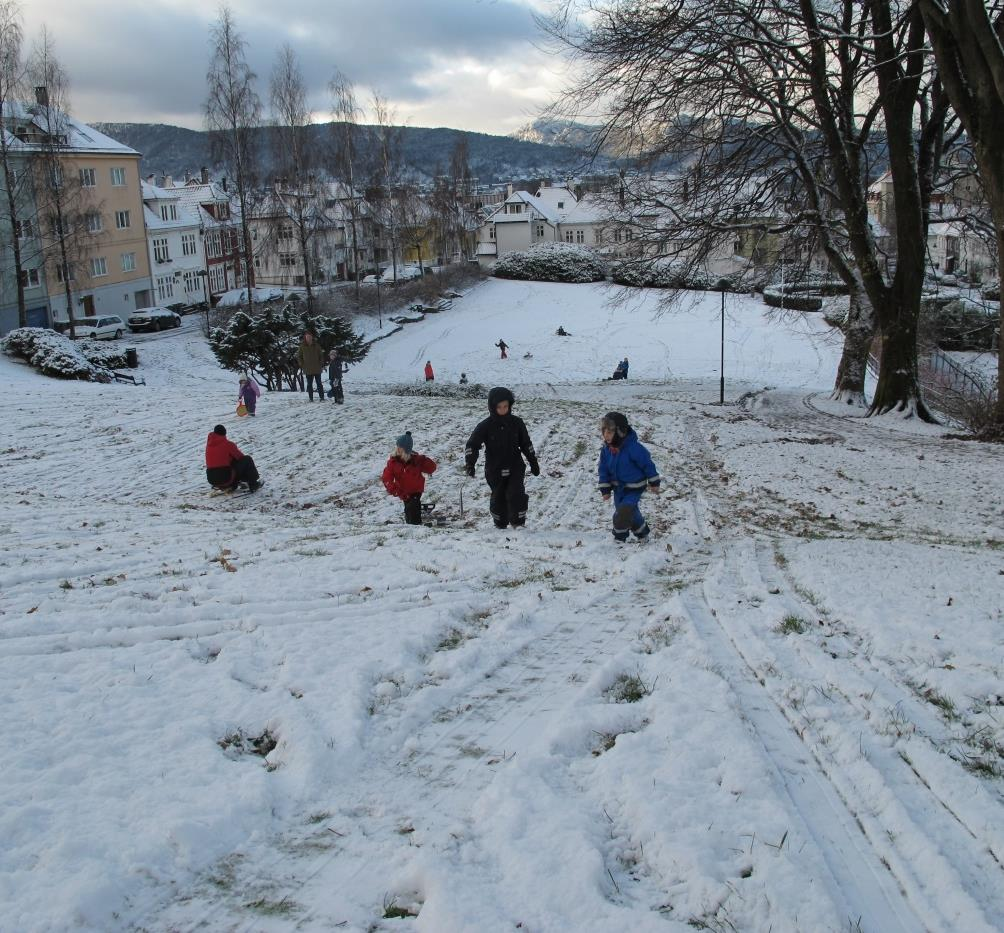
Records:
x=100, y=328
x=239, y=296
x=370, y=280
x=153, y=319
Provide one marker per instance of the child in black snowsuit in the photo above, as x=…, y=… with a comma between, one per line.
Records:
x=506, y=442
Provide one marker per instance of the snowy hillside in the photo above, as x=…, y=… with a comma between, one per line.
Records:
x=291, y=711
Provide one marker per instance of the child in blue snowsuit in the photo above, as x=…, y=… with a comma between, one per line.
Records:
x=626, y=469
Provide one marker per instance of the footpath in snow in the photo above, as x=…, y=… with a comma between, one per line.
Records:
x=292, y=712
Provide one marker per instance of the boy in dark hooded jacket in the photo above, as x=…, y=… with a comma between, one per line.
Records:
x=506, y=442
x=626, y=469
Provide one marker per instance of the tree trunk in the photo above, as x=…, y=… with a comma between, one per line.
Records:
x=898, y=386
x=859, y=332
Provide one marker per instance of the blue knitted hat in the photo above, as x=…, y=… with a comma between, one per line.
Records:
x=405, y=442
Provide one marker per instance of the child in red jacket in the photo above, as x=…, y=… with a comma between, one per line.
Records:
x=226, y=465
x=403, y=477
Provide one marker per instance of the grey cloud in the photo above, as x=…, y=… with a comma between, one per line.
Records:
x=161, y=54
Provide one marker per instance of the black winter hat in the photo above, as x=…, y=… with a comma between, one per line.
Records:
x=405, y=442
x=500, y=394
x=617, y=421
x=219, y=429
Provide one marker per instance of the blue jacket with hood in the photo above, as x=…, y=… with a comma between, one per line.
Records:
x=627, y=468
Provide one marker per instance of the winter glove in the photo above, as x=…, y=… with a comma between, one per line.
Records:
x=469, y=469
x=535, y=468
x=655, y=490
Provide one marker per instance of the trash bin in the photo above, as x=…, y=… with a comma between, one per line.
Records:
x=132, y=358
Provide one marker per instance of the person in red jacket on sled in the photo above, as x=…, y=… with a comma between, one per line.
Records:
x=403, y=477
x=226, y=466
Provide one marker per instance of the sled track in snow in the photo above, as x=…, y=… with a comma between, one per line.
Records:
x=499, y=706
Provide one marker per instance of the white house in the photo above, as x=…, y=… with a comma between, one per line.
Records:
x=175, y=245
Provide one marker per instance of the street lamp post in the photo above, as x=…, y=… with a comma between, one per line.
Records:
x=723, y=284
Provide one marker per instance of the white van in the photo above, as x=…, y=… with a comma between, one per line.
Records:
x=100, y=328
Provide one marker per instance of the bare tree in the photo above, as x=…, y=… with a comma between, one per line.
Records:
x=63, y=208
x=233, y=115
x=966, y=36
x=387, y=174
x=764, y=120
x=346, y=159
x=12, y=156
x=296, y=189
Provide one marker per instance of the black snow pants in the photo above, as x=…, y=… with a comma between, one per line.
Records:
x=509, y=500
x=240, y=471
x=413, y=509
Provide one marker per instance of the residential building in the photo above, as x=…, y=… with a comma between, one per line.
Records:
x=100, y=248
x=175, y=247
x=219, y=221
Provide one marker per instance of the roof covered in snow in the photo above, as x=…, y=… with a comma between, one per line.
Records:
x=34, y=120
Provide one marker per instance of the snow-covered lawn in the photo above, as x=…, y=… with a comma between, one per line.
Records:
x=785, y=712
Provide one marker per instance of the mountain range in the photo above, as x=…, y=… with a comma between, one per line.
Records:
x=174, y=150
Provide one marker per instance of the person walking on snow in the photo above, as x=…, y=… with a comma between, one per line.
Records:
x=506, y=442
x=310, y=356
x=226, y=465
x=429, y=374
x=247, y=395
x=625, y=469
x=403, y=477
x=503, y=346
x=336, y=369
x=463, y=379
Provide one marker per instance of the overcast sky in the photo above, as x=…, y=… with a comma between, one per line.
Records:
x=467, y=64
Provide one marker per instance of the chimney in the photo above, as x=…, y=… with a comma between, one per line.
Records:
x=42, y=96
x=205, y=175
x=187, y=177
x=168, y=181
x=151, y=180
x=225, y=188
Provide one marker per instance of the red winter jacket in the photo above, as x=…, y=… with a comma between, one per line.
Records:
x=220, y=452
x=428, y=371
x=406, y=479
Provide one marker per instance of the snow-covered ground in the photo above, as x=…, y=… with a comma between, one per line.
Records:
x=785, y=712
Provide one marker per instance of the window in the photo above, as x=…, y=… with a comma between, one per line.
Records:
x=540, y=230
x=597, y=235
x=287, y=260
x=580, y=236
x=491, y=232
x=257, y=262
x=88, y=178
x=56, y=226
x=628, y=235
x=118, y=177
x=128, y=262
x=29, y=278
x=55, y=176
x=286, y=232
x=192, y=281
x=122, y=220
x=98, y=267
x=222, y=211
x=213, y=245
x=217, y=279
x=168, y=211
x=165, y=287
x=569, y=236
x=617, y=236
x=25, y=229
x=61, y=277
x=94, y=224
x=188, y=244
x=561, y=205
x=160, y=251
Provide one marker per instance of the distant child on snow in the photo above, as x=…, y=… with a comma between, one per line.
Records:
x=463, y=379
x=247, y=393
x=429, y=374
x=625, y=469
x=503, y=346
x=403, y=477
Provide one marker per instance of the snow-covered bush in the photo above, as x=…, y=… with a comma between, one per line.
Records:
x=441, y=390
x=991, y=291
x=805, y=295
x=53, y=354
x=552, y=262
x=665, y=273
x=104, y=355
